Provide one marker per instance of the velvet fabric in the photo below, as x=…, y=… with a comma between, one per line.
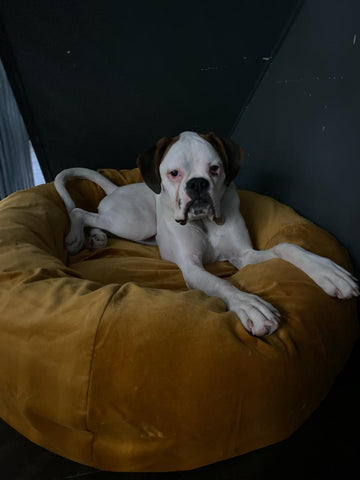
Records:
x=108, y=359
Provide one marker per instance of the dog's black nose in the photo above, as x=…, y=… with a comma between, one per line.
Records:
x=195, y=186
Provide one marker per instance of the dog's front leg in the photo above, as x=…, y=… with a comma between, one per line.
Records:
x=328, y=275
x=332, y=278
x=257, y=316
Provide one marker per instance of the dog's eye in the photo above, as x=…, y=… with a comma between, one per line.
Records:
x=174, y=175
x=214, y=169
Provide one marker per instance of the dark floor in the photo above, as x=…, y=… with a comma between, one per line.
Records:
x=327, y=447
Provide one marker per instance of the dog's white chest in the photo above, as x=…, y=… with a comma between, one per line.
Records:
x=201, y=239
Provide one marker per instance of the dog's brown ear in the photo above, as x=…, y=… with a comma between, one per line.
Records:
x=230, y=153
x=149, y=162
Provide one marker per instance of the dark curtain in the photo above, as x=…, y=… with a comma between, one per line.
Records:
x=15, y=161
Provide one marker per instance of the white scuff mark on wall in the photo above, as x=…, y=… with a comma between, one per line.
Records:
x=206, y=69
x=286, y=81
x=312, y=79
x=354, y=38
x=323, y=128
x=266, y=58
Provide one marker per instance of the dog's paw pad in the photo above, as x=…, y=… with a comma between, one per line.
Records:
x=96, y=239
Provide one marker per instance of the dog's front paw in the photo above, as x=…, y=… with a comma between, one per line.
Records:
x=258, y=317
x=333, y=279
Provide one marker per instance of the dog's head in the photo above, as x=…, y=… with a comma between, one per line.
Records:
x=192, y=171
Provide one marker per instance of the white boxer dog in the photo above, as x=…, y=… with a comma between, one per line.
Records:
x=189, y=207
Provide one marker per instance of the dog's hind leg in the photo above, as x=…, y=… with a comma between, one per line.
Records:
x=76, y=239
x=120, y=225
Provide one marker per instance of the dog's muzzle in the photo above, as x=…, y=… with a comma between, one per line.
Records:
x=201, y=204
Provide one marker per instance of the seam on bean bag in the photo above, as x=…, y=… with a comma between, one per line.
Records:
x=91, y=374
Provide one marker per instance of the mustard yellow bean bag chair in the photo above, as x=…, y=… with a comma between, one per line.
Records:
x=108, y=359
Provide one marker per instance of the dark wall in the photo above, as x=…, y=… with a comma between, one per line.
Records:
x=301, y=131
x=97, y=82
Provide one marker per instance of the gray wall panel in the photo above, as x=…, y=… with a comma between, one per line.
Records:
x=301, y=130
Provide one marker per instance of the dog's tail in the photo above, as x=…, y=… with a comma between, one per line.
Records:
x=86, y=173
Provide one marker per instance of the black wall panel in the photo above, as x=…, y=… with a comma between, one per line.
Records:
x=99, y=81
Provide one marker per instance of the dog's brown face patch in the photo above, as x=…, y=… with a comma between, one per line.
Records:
x=230, y=153
x=149, y=161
